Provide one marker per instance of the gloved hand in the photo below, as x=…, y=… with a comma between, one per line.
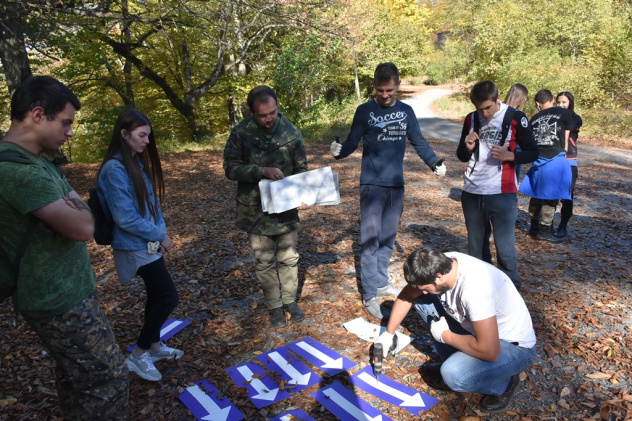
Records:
x=437, y=328
x=440, y=169
x=335, y=148
x=386, y=339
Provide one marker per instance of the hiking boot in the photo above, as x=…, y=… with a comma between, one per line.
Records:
x=544, y=234
x=493, y=404
x=296, y=314
x=165, y=353
x=387, y=290
x=277, y=317
x=533, y=228
x=143, y=366
x=373, y=308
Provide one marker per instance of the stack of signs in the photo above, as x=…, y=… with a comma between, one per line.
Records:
x=264, y=389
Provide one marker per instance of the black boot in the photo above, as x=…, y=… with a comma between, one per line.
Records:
x=544, y=234
x=533, y=229
x=561, y=230
x=277, y=317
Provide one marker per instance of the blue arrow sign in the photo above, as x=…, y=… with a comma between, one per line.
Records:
x=297, y=374
x=344, y=404
x=263, y=390
x=168, y=329
x=204, y=401
x=293, y=415
x=393, y=392
x=322, y=357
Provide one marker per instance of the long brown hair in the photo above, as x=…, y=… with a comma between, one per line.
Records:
x=517, y=96
x=129, y=120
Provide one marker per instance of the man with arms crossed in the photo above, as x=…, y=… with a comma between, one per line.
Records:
x=56, y=286
x=383, y=123
x=478, y=320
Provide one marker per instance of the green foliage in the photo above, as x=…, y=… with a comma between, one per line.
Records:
x=326, y=119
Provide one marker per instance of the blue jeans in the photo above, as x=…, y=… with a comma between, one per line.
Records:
x=464, y=373
x=380, y=208
x=501, y=211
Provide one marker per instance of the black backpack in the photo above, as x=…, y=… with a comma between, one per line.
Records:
x=10, y=269
x=103, y=226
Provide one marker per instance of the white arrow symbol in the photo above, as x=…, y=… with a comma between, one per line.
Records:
x=286, y=418
x=296, y=376
x=169, y=327
x=329, y=362
x=350, y=408
x=215, y=413
x=407, y=400
x=264, y=393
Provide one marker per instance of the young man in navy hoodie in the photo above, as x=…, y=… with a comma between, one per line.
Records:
x=383, y=123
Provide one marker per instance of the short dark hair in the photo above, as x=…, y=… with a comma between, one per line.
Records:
x=384, y=72
x=258, y=94
x=423, y=265
x=485, y=90
x=543, y=95
x=42, y=91
x=571, y=100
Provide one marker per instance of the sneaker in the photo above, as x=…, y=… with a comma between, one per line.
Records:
x=493, y=404
x=373, y=308
x=387, y=290
x=277, y=317
x=165, y=353
x=143, y=366
x=296, y=314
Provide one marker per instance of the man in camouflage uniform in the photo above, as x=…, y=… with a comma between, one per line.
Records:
x=56, y=285
x=267, y=145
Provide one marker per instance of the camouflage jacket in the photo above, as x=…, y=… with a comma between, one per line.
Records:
x=247, y=151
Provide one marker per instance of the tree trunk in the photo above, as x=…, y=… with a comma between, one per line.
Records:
x=13, y=55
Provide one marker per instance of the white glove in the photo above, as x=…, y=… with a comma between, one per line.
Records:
x=335, y=148
x=437, y=328
x=440, y=170
x=386, y=339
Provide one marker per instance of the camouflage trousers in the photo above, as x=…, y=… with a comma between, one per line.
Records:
x=278, y=282
x=91, y=375
x=542, y=210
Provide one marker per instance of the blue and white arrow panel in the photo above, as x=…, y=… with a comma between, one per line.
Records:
x=393, y=392
x=344, y=404
x=297, y=374
x=263, y=390
x=293, y=415
x=203, y=399
x=168, y=329
x=322, y=357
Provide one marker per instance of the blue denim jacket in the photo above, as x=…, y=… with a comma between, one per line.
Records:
x=116, y=192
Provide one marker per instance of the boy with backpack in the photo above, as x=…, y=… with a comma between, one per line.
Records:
x=488, y=145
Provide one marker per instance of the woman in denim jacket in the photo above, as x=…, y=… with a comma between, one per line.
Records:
x=130, y=181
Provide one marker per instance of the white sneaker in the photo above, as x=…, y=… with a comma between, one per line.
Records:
x=143, y=366
x=165, y=353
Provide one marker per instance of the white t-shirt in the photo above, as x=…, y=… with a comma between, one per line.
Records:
x=482, y=291
x=484, y=176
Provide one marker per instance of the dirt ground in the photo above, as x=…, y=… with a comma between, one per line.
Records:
x=578, y=293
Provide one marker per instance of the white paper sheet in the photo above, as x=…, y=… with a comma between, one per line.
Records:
x=315, y=188
x=370, y=332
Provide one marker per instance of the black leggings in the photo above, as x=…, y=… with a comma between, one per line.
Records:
x=162, y=298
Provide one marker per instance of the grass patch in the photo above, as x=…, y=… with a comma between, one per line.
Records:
x=453, y=107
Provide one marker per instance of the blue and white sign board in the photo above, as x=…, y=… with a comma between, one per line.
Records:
x=170, y=328
x=393, y=392
x=344, y=404
x=322, y=357
x=263, y=390
x=202, y=399
x=297, y=374
x=293, y=415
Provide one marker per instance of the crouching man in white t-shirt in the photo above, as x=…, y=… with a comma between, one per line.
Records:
x=480, y=323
